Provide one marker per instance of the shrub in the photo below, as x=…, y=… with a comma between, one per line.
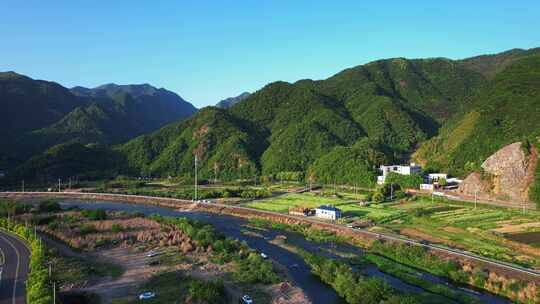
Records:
x=96, y=215
x=49, y=206
x=412, y=181
x=87, y=229
x=254, y=269
x=350, y=285
x=117, y=228
x=208, y=292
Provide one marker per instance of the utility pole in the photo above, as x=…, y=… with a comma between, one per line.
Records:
x=23, y=185
x=196, y=184
x=69, y=184
x=54, y=292
x=391, y=191
x=59, y=181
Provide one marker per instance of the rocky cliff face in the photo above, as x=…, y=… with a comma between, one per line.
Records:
x=507, y=175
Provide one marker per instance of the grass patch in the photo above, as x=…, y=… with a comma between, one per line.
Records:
x=72, y=270
x=173, y=287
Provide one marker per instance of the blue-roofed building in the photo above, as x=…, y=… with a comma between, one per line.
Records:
x=328, y=212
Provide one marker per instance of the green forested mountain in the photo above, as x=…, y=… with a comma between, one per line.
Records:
x=379, y=111
x=39, y=114
x=226, y=147
x=506, y=110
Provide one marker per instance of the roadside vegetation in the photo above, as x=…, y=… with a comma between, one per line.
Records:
x=38, y=288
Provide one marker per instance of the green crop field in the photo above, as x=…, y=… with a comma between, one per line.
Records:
x=350, y=208
x=484, y=231
x=481, y=230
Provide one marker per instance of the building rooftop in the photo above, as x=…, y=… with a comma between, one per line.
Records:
x=329, y=208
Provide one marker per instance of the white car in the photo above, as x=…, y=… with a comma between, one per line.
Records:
x=152, y=254
x=264, y=256
x=147, y=295
x=246, y=300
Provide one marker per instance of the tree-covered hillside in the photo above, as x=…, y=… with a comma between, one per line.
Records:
x=70, y=160
x=225, y=146
x=38, y=114
x=505, y=111
x=382, y=110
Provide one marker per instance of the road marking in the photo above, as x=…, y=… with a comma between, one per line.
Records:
x=16, y=270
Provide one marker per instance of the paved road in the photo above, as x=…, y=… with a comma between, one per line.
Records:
x=14, y=270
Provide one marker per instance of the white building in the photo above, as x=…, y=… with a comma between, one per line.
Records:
x=427, y=187
x=400, y=169
x=328, y=212
x=435, y=177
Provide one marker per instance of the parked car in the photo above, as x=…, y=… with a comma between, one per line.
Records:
x=152, y=253
x=147, y=295
x=264, y=256
x=246, y=300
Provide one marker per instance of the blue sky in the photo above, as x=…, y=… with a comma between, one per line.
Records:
x=209, y=50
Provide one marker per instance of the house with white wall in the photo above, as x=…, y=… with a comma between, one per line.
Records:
x=435, y=177
x=328, y=212
x=400, y=169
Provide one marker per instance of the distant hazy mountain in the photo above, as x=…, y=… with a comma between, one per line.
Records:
x=38, y=114
x=231, y=101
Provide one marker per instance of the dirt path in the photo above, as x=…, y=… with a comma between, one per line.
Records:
x=136, y=270
x=134, y=264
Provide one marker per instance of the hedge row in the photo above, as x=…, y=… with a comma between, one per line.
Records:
x=38, y=289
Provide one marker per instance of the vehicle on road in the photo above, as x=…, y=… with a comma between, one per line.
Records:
x=264, y=256
x=147, y=295
x=152, y=253
x=246, y=300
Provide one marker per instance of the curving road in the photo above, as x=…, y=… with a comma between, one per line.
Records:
x=14, y=271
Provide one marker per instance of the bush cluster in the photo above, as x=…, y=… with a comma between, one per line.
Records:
x=207, y=292
x=350, y=285
x=251, y=267
x=95, y=215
